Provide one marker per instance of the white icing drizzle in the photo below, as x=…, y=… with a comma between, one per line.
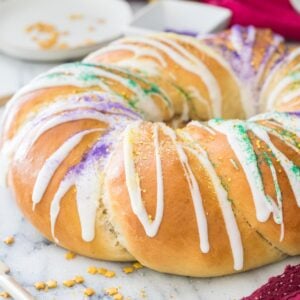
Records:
x=194, y=93
x=88, y=181
x=280, y=86
x=53, y=122
x=277, y=209
x=290, y=96
x=64, y=187
x=194, y=189
x=284, y=81
x=89, y=190
x=236, y=39
x=243, y=149
x=245, y=154
x=74, y=75
x=293, y=55
x=225, y=205
x=53, y=162
x=277, y=40
x=245, y=98
x=50, y=115
x=288, y=122
x=133, y=185
x=203, y=126
x=191, y=64
x=281, y=137
x=216, y=101
x=286, y=164
x=139, y=52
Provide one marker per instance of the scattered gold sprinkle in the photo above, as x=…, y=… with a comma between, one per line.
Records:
x=76, y=17
x=92, y=270
x=258, y=144
x=128, y=270
x=40, y=285
x=79, y=279
x=137, y=265
x=111, y=291
x=89, y=292
x=88, y=42
x=5, y=295
x=118, y=297
x=102, y=271
x=150, y=218
x=70, y=255
x=143, y=293
x=9, y=240
x=110, y=274
x=51, y=284
x=63, y=46
x=101, y=21
x=69, y=283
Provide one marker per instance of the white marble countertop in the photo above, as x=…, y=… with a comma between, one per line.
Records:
x=32, y=258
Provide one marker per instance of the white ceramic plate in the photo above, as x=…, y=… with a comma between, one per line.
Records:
x=296, y=5
x=185, y=17
x=82, y=26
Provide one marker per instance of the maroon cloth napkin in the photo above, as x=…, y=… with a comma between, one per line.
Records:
x=279, y=15
x=282, y=287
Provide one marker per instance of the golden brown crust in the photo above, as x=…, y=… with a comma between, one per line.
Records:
x=176, y=248
x=171, y=89
x=68, y=230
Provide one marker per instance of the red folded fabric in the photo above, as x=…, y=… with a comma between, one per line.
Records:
x=279, y=15
x=282, y=287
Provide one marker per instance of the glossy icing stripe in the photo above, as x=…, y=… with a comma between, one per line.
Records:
x=199, y=69
x=84, y=75
x=288, y=59
x=284, y=83
x=225, y=205
x=220, y=60
x=53, y=162
x=138, y=51
x=291, y=170
x=72, y=103
x=277, y=208
x=211, y=81
x=236, y=133
x=87, y=177
x=64, y=187
x=282, y=137
x=56, y=121
x=203, y=126
x=133, y=186
x=285, y=120
x=270, y=51
x=194, y=190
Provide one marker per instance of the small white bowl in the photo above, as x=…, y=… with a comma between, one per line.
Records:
x=83, y=26
x=184, y=17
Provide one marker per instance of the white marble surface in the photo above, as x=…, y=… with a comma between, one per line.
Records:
x=32, y=258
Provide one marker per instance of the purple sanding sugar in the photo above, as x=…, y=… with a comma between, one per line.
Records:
x=100, y=150
x=120, y=116
x=295, y=113
x=103, y=103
